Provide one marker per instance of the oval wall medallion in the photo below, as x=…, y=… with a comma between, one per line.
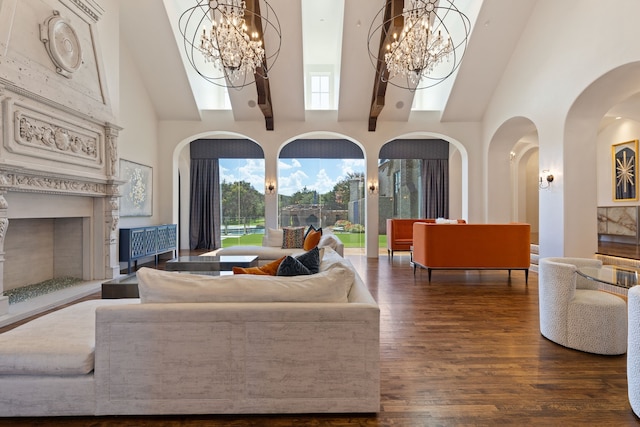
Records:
x=62, y=44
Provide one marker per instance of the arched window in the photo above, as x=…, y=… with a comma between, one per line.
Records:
x=321, y=183
x=227, y=193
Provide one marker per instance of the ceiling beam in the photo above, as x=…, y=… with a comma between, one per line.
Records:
x=392, y=9
x=254, y=24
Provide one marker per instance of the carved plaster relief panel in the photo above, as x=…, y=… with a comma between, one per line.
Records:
x=16, y=181
x=35, y=132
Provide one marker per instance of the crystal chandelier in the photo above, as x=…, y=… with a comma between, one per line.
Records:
x=429, y=47
x=223, y=40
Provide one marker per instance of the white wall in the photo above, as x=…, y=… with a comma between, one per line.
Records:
x=547, y=73
x=138, y=140
x=455, y=184
x=531, y=205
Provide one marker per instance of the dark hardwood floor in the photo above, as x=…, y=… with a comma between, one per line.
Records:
x=463, y=350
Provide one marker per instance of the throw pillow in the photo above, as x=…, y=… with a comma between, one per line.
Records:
x=311, y=260
x=292, y=237
x=273, y=237
x=312, y=238
x=269, y=269
x=292, y=267
x=310, y=229
x=329, y=240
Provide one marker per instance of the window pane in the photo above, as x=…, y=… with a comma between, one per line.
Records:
x=326, y=193
x=399, y=191
x=315, y=83
x=324, y=100
x=324, y=84
x=319, y=94
x=242, y=201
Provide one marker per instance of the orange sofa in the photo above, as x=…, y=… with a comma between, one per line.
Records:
x=400, y=233
x=472, y=247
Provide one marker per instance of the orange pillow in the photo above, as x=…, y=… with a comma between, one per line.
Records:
x=312, y=239
x=265, y=270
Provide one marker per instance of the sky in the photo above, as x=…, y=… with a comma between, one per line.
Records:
x=293, y=174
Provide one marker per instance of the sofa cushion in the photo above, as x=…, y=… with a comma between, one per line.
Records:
x=450, y=221
x=332, y=285
x=292, y=237
x=273, y=237
x=269, y=269
x=58, y=343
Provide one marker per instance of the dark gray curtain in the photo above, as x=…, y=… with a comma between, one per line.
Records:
x=204, y=218
x=435, y=182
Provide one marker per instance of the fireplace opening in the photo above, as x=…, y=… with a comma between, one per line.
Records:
x=42, y=249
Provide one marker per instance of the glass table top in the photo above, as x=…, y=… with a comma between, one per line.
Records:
x=615, y=275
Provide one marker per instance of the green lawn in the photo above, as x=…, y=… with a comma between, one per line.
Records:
x=246, y=239
x=350, y=240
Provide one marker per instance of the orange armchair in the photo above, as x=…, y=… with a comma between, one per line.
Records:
x=400, y=234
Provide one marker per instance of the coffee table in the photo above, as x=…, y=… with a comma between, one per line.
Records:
x=127, y=286
x=211, y=263
x=121, y=287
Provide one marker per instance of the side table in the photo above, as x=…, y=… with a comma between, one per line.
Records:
x=121, y=287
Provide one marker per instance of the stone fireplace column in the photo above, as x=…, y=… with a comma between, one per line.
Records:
x=112, y=203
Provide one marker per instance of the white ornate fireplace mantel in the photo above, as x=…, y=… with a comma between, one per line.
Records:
x=58, y=152
x=58, y=143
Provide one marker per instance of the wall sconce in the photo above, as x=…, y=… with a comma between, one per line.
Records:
x=270, y=187
x=373, y=187
x=547, y=176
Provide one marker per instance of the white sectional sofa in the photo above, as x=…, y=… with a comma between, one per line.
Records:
x=137, y=356
x=272, y=250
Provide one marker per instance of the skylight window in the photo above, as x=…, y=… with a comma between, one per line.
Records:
x=320, y=99
x=322, y=50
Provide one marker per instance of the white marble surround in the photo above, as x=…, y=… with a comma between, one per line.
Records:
x=618, y=221
x=58, y=144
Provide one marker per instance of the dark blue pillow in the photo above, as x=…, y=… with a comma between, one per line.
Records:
x=311, y=260
x=290, y=266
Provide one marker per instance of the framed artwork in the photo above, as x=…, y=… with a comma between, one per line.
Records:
x=137, y=191
x=625, y=178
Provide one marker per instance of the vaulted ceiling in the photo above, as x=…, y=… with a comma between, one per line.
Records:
x=150, y=33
